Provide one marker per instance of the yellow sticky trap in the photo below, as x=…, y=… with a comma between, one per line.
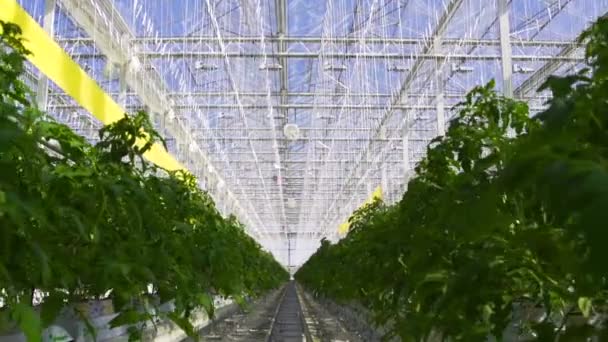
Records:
x=60, y=68
x=377, y=194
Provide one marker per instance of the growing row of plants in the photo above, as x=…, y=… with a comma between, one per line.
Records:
x=503, y=226
x=81, y=221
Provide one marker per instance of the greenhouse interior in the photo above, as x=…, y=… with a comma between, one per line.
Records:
x=303, y=170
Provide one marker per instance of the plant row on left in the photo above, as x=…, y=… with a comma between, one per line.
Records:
x=80, y=222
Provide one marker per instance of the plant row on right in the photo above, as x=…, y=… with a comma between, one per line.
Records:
x=503, y=228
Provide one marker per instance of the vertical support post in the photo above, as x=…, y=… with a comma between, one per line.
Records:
x=384, y=183
x=439, y=98
x=122, y=80
x=406, y=154
x=48, y=21
x=290, y=236
x=369, y=188
x=505, y=48
x=440, y=111
x=383, y=178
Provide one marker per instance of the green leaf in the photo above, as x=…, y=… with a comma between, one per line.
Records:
x=51, y=307
x=135, y=334
x=487, y=312
x=184, y=324
x=585, y=305
x=28, y=322
x=207, y=302
x=129, y=317
x=240, y=300
x=437, y=276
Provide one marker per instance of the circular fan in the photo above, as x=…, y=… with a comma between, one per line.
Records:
x=291, y=131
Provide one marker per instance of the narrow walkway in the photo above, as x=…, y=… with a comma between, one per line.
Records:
x=288, y=325
x=322, y=325
x=285, y=315
x=252, y=324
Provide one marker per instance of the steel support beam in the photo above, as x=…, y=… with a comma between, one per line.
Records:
x=272, y=139
x=505, y=48
x=281, y=14
x=302, y=129
x=315, y=94
x=123, y=84
x=177, y=95
x=179, y=107
x=406, y=155
x=323, y=40
x=440, y=98
x=317, y=54
x=186, y=107
x=48, y=21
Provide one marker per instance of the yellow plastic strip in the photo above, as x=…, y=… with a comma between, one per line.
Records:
x=377, y=194
x=59, y=67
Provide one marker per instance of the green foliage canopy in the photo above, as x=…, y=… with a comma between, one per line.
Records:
x=79, y=221
x=505, y=216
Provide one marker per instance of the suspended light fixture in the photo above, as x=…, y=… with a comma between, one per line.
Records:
x=202, y=66
x=398, y=68
x=333, y=67
x=324, y=116
x=225, y=116
x=271, y=66
x=461, y=68
x=518, y=69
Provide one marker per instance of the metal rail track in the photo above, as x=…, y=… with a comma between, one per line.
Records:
x=276, y=318
x=289, y=324
x=285, y=315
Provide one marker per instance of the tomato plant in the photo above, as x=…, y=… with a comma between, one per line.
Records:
x=83, y=222
x=503, y=225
